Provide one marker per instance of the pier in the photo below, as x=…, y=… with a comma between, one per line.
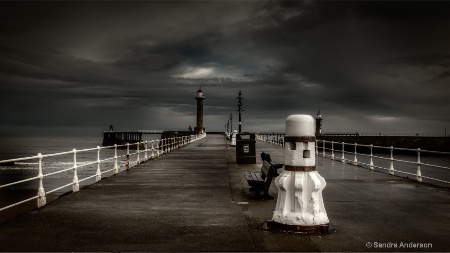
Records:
x=196, y=198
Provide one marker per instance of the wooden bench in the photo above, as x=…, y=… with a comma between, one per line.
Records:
x=260, y=181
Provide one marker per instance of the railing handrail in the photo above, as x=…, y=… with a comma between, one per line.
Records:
x=156, y=148
x=278, y=139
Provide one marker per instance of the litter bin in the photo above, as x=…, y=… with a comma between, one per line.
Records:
x=245, y=148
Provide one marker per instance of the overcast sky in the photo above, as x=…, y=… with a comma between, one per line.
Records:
x=369, y=67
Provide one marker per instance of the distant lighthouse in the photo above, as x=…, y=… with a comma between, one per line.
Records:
x=199, y=97
x=318, y=124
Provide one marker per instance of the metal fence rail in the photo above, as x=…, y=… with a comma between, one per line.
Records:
x=133, y=154
x=389, y=164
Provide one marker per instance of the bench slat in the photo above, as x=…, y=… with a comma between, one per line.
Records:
x=258, y=176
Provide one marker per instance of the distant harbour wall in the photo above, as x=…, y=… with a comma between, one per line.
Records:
x=410, y=142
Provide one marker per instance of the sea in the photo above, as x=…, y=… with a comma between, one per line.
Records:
x=19, y=146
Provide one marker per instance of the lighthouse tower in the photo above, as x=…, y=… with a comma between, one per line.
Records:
x=318, y=124
x=199, y=97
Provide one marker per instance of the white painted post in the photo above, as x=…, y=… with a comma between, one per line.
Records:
x=355, y=160
x=418, y=173
x=343, y=153
x=153, y=148
x=98, y=174
x=323, y=148
x=317, y=147
x=371, y=158
x=76, y=184
x=138, y=158
x=116, y=166
x=391, y=167
x=146, y=150
x=127, y=164
x=332, y=150
x=41, y=200
x=300, y=205
x=233, y=138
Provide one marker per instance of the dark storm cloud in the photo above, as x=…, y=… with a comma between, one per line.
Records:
x=368, y=65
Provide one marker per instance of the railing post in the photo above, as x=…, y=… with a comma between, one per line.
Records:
x=41, y=200
x=332, y=150
x=146, y=150
x=418, y=173
x=391, y=167
x=98, y=175
x=157, y=147
x=76, y=184
x=371, y=157
x=317, y=147
x=343, y=153
x=355, y=160
x=163, y=145
x=116, y=166
x=138, y=158
x=153, y=147
x=127, y=164
x=323, y=148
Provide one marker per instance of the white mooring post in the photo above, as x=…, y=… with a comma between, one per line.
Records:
x=300, y=205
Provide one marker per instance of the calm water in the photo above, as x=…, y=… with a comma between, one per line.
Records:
x=25, y=146
x=409, y=166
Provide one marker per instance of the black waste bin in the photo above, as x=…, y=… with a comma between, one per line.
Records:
x=245, y=148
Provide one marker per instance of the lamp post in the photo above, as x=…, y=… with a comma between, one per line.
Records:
x=231, y=122
x=240, y=98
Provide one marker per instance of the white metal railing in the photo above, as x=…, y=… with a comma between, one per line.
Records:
x=130, y=158
x=276, y=139
x=390, y=164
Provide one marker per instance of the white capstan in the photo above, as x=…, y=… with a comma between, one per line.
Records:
x=300, y=205
x=300, y=125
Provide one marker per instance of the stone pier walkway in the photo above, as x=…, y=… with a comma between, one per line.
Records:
x=196, y=199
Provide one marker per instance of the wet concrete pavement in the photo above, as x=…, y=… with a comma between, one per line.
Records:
x=196, y=199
